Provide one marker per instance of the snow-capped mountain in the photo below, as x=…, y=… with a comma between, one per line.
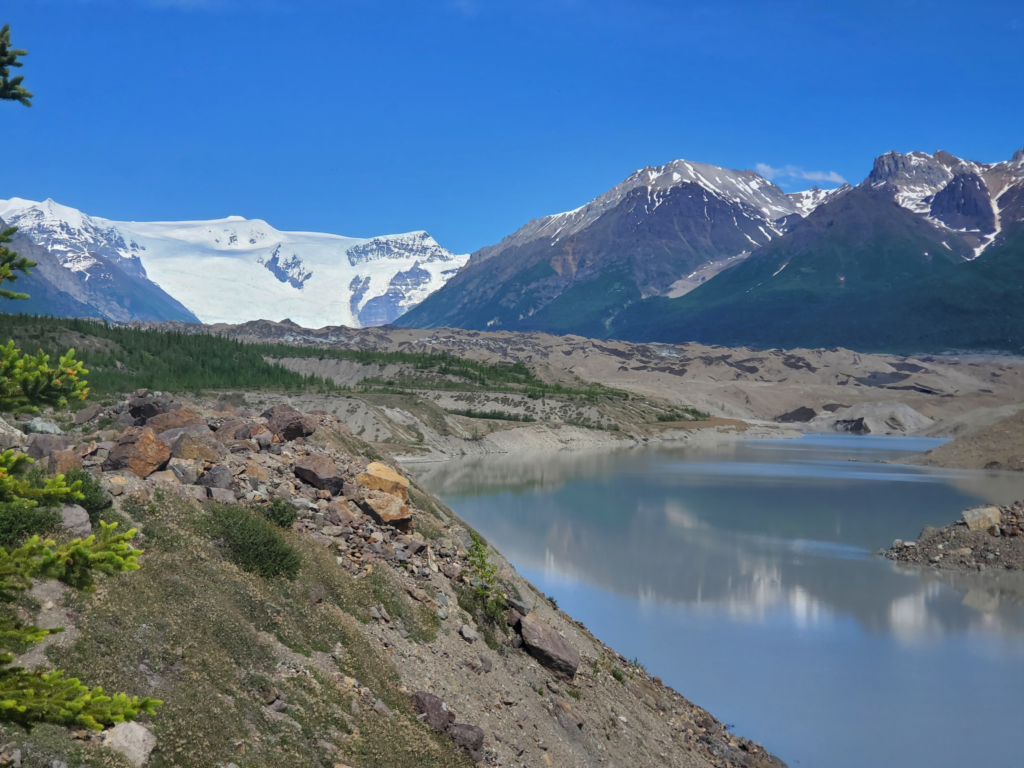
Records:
x=756, y=198
x=974, y=200
x=235, y=269
x=663, y=231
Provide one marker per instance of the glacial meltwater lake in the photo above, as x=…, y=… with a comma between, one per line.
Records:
x=745, y=577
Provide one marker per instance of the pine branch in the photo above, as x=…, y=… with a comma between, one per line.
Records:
x=27, y=382
x=11, y=88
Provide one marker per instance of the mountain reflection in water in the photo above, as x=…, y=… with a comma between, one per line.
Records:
x=756, y=545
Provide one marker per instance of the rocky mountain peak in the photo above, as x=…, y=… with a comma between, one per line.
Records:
x=1018, y=156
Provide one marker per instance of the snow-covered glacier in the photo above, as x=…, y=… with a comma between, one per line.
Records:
x=234, y=269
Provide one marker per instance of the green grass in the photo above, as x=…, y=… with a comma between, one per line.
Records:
x=252, y=542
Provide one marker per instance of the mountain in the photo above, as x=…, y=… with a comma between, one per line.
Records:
x=234, y=269
x=93, y=282
x=927, y=254
x=661, y=232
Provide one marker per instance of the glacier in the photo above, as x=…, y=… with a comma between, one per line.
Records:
x=234, y=269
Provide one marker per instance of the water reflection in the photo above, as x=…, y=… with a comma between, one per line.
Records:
x=744, y=576
x=748, y=528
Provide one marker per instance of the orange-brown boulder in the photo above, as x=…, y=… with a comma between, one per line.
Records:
x=139, y=451
x=380, y=477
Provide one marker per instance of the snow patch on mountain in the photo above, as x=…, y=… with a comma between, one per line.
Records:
x=807, y=201
x=234, y=269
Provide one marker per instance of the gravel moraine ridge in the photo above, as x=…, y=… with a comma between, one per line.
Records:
x=976, y=546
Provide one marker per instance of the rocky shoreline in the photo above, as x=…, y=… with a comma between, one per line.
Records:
x=985, y=538
x=527, y=686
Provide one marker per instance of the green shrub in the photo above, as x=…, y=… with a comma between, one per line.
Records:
x=280, y=512
x=573, y=692
x=95, y=500
x=18, y=521
x=617, y=674
x=253, y=543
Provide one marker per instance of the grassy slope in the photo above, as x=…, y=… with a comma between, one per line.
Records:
x=193, y=630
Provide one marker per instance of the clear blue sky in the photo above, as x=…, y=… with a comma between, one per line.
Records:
x=468, y=117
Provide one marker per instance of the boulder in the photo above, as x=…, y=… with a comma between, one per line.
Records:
x=566, y=714
x=435, y=712
x=62, y=462
x=386, y=509
x=380, y=477
x=185, y=470
x=132, y=740
x=88, y=413
x=468, y=633
x=171, y=435
x=40, y=446
x=218, y=476
x=165, y=476
x=138, y=451
x=144, y=408
x=38, y=426
x=192, y=445
x=75, y=520
x=222, y=495
x=235, y=429
x=468, y=737
x=287, y=423
x=982, y=518
x=319, y=471
x=10, y=436
x=339, y=513
x=548, y=647
x=176, y=419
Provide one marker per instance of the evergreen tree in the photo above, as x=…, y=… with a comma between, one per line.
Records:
x=11, y=88
x=26, y=383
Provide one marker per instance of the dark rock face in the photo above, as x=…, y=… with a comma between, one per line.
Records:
x=435, y=711
x=800, y=415
x=469, y=738
x=548, y=647
x=965, y=203
x=288, y=424
x=146, y=407
x=381, y=310
x=288, y=269
x=320, y=472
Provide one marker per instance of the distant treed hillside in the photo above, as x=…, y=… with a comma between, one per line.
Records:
x=121, y=359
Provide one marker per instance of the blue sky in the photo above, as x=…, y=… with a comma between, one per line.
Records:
x=469, y=117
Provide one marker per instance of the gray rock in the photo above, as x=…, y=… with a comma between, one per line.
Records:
x=519, y=605
x=185, y=470
x=88, y=413
x=982, y=518
x=218, y=476
x=222, y=495
x=39, y=426
x=433, y=711
x=75, y=520
x=42, y=445
x=132, y=740
x=320, y=472
x=469, y=738
x=287, y=423
x=548, y=647
x=468, y=633
x=381, y=708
